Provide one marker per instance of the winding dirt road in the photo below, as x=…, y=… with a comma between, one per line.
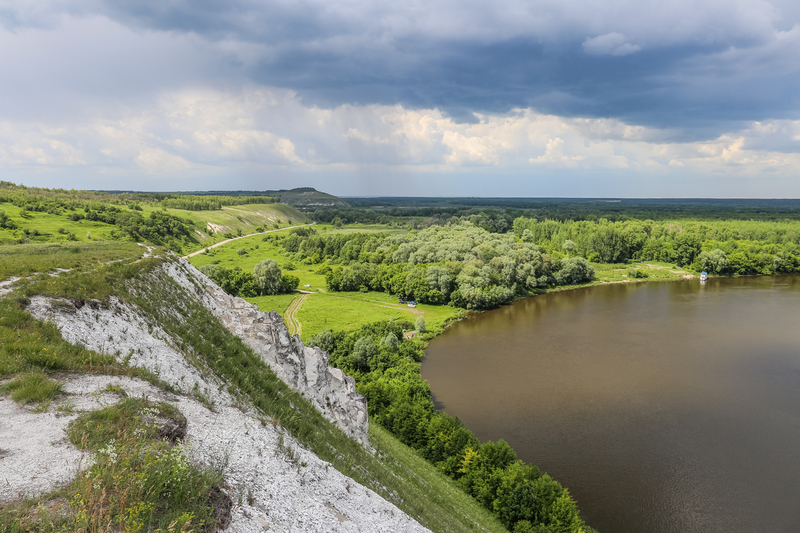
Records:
x=242, y=237
x=290, y=317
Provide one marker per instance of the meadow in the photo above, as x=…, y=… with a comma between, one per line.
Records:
x=321, y=310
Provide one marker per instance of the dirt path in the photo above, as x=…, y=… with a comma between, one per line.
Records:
x=290, y=317
x=242, y=237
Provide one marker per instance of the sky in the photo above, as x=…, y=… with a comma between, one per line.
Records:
x=579, y=98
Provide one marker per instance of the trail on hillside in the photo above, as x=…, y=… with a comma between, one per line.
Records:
x=290, y=317
x=242, y=237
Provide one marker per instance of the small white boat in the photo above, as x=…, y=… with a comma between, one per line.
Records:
x=703, y=276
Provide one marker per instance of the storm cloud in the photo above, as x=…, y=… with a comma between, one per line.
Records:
x=326, y=92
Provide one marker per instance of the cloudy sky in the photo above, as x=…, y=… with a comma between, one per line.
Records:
x=604, y=98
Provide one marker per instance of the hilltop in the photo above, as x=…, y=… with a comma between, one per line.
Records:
x=299, y=197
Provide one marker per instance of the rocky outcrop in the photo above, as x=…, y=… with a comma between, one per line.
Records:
x=304, y=369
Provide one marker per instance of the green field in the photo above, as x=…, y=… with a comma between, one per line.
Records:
x=27, y=259
x=231, y=219
x=277, y=303
x=655, y=270
x=351, y=310
x=45, y=227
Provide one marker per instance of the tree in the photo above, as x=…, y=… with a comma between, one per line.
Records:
x=267, y=275
x=390, y=341
x=574, y=270
x=363, y=351
x=324, y=340
x=609, y=244
x=568, y=246
x=421, y=325
x=714, y=261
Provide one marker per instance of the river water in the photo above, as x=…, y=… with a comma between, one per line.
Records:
x=668, y=407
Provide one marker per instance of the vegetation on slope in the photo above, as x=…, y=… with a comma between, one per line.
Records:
x=180, y=222
x=136, y=482
x=415, y=487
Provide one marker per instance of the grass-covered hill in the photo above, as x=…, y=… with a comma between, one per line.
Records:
x=184, y=223
x=306, y=197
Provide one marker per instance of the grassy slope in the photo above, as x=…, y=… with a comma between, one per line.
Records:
x=229, y=219
x=240, y=217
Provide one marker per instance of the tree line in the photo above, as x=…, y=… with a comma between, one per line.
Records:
x=210, y=203
x=265, y=279
x=718, y=246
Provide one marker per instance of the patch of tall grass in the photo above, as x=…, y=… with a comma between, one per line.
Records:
x=26, y=259
x=32, y=387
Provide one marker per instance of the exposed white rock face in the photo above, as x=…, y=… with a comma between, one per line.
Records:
x=282, y=486
x=274, y=483
x=304, y=369
x=125, y=332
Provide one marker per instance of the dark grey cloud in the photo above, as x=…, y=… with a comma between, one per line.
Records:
x=698, y=66
x=527, y=91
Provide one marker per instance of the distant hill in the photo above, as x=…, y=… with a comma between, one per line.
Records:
x=299, y=197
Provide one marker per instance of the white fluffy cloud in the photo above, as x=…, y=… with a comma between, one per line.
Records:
x=217, y=133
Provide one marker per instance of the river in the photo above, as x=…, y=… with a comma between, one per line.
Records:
x=669, y=407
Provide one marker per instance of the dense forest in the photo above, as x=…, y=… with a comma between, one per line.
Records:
x=468, y=266
x=719, y=247
x=462, y=264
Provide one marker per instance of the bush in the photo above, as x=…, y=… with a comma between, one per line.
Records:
x=636, y=273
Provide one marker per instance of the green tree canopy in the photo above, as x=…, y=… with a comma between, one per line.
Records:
x=267, y=275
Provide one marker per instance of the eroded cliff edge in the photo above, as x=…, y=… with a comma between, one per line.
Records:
x=278, y=483
x=304, y=369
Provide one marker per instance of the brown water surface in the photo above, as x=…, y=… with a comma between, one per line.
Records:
x=663, y=407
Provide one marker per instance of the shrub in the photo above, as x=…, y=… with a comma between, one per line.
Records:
x=636, y=273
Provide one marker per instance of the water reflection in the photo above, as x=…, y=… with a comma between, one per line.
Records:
x=664, y=407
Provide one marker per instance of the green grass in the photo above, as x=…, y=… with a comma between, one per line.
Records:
x=322, y=310
x=32, y=387
x=231, y=219
x=279, y=302
x=47, y=228
x=259, y=250
x=26, y=259
x=31, y=345
x=351, y=310
x=619, y=272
